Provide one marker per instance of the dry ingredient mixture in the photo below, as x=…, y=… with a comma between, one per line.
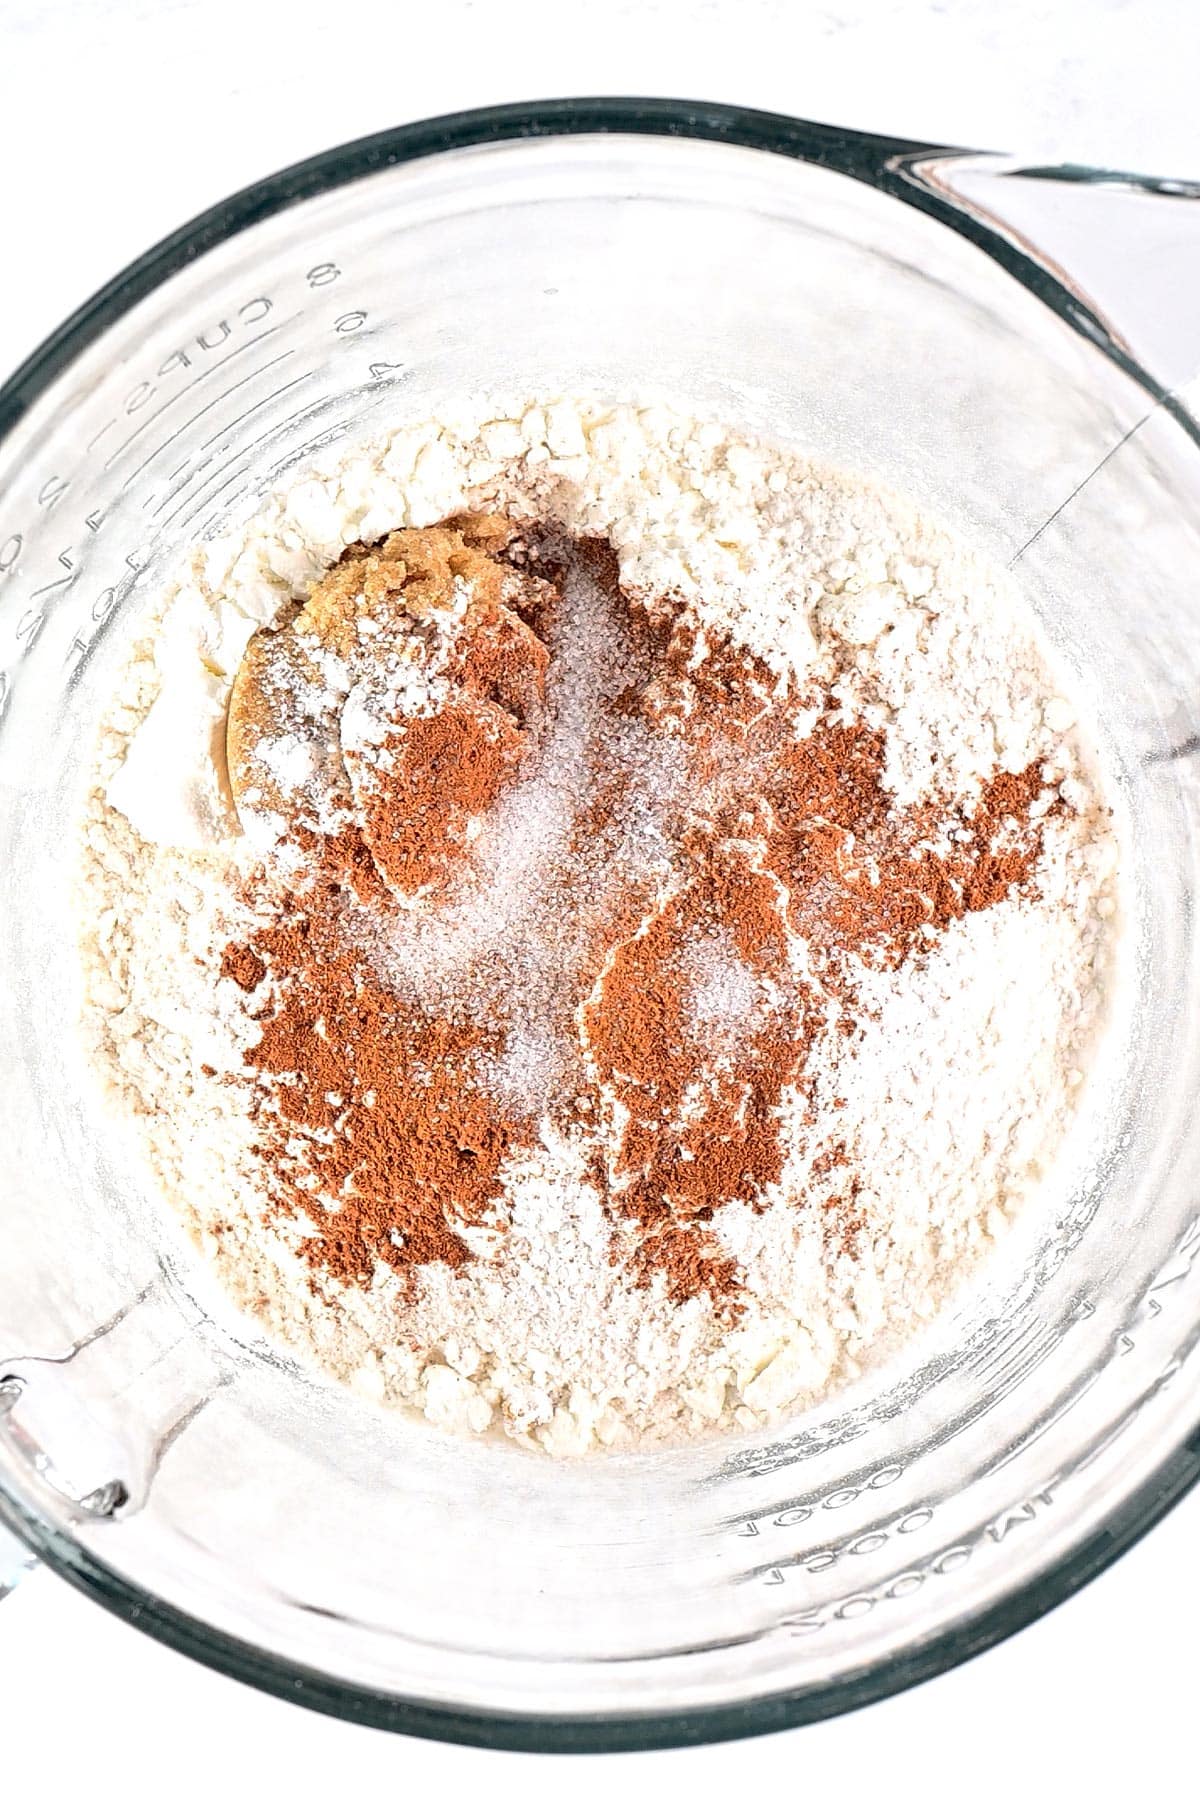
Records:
x=599, y=921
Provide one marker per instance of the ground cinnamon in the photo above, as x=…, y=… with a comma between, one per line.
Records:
x=861, y=878
x=446, y=772
x=374, y=1121
x=436, y=775
x=697, y=1130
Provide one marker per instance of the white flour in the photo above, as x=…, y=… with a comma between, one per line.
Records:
x=955, y=1100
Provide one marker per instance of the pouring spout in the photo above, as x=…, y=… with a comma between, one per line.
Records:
x=1116, y=254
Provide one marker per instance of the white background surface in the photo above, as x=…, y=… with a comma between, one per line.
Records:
x=119, y=119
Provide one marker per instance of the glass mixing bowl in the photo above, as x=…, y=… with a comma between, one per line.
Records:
x=977, y=335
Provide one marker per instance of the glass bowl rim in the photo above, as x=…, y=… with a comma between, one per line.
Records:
x=884, y=163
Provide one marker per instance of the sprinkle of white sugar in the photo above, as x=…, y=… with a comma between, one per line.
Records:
x=952, y=1100
x=720, y=993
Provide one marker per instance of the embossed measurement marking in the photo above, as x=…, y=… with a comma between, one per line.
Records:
x=1012, y=1357
x=200, y=412
x=271, y=431
x=184, y=501
x=190, y=470
x=1050, y=1420
x=251, y=410
x=180, y=393
x=1025, y=1510
x=211, y=499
